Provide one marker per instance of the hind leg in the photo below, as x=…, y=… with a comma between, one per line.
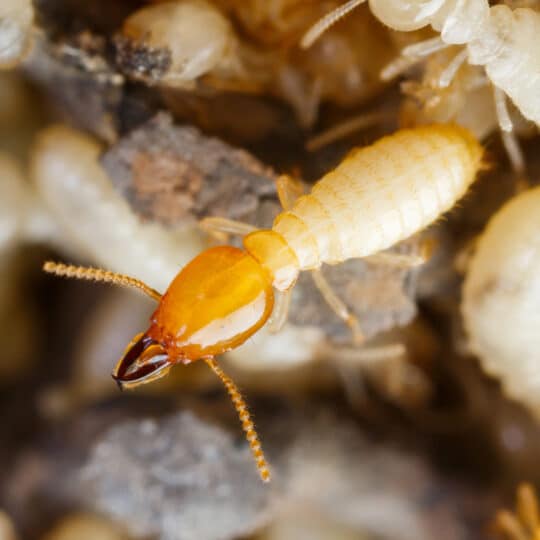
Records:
x=509, y=139
x=338, y=306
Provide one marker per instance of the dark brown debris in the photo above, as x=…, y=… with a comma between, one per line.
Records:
x=140, y=61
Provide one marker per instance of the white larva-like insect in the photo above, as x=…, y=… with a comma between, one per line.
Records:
x=501, y=298
x=505, y=42
x=16, y=21
x=94, y=219
x=176, y=42
x=468, y=101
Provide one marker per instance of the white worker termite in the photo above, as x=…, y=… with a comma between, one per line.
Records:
x=505, y=42
x=501, y=298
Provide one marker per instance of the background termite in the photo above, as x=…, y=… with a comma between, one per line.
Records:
x=499, y=39
x=500, y=305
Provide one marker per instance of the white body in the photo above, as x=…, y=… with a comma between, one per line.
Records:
x=381, y=195
x=510, y=53
x=506, y=42
x=501, y=298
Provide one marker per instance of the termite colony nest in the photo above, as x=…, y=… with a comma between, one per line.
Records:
x=131, y=129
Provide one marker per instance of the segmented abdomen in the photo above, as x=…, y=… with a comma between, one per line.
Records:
x=381, y=194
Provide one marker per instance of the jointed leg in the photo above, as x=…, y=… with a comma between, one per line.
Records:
x=245, y=418
x=448, y=74
x=97, y=274
x=396, y=260
x=369, y=355
x=410, y=56
x=288, y=190
x=338, y=306
x=503, y=116
x=213, y=225
x=281, y=310
x=343, y=129
x=322, y=25
x=404, y=260
x=510, y=142
x=515, y=156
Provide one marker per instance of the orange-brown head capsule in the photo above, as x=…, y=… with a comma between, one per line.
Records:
x=214, y=304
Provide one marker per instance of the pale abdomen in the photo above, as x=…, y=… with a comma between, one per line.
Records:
x=381, y=194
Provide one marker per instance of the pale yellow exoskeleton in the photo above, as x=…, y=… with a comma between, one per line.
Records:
x=378, y=196
x=505, y=42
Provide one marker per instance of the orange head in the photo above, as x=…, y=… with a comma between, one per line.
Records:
x=214, y=304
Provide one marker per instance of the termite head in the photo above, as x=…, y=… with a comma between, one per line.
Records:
x=214, y=304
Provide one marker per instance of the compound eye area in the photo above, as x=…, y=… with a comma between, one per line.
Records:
x=144, y=360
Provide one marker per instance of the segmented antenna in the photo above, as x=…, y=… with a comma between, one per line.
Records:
x=323, y=24
x=245, y=418
x=97, y=274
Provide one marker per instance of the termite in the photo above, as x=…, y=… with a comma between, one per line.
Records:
x=501, y=296
x=378, y=196
x=505, y=42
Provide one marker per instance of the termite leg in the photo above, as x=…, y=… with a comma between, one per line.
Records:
x=508, y=524
x=402, y=260
x=288, y=189
x=527, y=507
x=389, y=361
x=509, y=139
x=447, y=76
x=97, y=274
x=245, y=418
x=323, y=24
x=338, y=306
x=517, y=161
x=282, y=301
x=396, y=260
x=369, y=355
x=501, y=109
x=219, y=228
x=389, y=366
x=346, y=128
x=410, y=56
